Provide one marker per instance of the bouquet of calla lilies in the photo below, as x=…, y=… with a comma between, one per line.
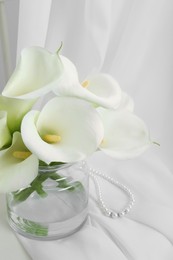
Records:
x=79, y=119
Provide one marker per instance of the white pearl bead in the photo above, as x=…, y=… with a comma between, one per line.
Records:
x=94, y=173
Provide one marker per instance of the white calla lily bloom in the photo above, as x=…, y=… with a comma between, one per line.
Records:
x=18, y=167
x=69, y=79
x=126, y=102
x=66, y=130
x=16, y=109
x=101, y=89
x=35, y=75
x=39, y=72
x=5, y=136
x=125, y=135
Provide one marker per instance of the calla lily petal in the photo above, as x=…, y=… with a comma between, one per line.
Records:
x=5, y=136
x=35, y=74
x=68, y=84
x=16, y=109
x=16, y=173
x=125, y=134
x=69, y=78
x=101, y=90
x=126, y=102
x=75, y=121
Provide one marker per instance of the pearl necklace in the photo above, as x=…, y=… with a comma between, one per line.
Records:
x=106, y=210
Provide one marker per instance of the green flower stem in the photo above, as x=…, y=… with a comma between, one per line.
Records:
x=23, y=195
x=37, y=185
x=33, y=228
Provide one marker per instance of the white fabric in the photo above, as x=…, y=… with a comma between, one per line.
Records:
x=133, y=41
x=146, y=233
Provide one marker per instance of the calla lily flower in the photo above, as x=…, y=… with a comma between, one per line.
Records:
x=125, y=134
x=69, y=78
x=18, y=167
x=16, y=109
x=35, y=74
x=39, y=72
x=5, y=136
x=101, y=89
x=67, y=130
x=126, y=103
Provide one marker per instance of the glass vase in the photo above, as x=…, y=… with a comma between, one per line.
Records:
x=54, y=205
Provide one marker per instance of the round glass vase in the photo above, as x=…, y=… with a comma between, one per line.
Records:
x=54, y=205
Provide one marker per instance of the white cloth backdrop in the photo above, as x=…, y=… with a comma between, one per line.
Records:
x=133, y=41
